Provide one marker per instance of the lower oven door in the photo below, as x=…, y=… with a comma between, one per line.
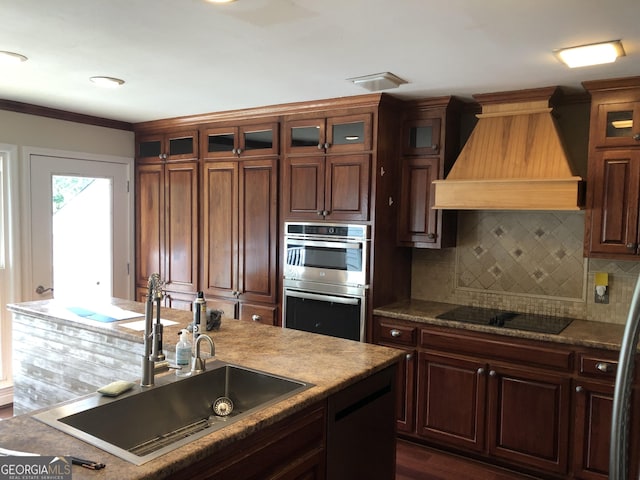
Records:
x=336, y=315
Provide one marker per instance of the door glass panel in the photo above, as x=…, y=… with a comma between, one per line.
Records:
x=181, y=146
x=620, y=124
x=305, y=136
x=421, y=137
x=224, y=142
x=347, y=133
x=82, y=233
x=258, y=140
x=150, y=149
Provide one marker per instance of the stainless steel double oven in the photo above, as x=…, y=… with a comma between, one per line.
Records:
x=325, y=278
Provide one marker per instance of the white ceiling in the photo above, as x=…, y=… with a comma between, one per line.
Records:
x=183, y=57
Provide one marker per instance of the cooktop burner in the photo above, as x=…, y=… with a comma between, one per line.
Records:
x=504, y=319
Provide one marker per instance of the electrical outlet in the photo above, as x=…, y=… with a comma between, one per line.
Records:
x=601, y=294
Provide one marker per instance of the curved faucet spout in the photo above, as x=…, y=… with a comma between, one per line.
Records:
x=199, y=363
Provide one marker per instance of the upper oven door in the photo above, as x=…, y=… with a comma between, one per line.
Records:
x=336, y=262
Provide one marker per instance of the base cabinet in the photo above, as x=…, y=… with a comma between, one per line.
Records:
x=532, y=406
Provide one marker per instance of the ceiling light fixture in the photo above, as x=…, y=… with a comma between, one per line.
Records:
x=221, y=1
x=11, y=57
x=108, y=82
x=594, y=54
x=378, y=81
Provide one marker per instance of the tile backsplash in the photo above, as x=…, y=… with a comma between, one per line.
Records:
x=523, y=261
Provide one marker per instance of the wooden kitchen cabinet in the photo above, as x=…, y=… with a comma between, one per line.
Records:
x=430, y=140
x=613, y=198
x=398, y=335
x=240, y=141
x=326, y=174
x=528, y=416
x=175, y=146
x=593, y=391
x=452, y=400
x=240, y=230
x=167, y=224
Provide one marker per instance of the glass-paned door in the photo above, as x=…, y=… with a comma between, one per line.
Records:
x=79, y=229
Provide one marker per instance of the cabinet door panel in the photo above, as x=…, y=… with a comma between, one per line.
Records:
x=150, y=223
x=618, y=124
x=258, y=230
x=614, y=226
x=528, y=415
x=351, y=133
x=220, y=225
x=219, y=142
x=421, y=137
x=347, y=187
x=181, y=227
x=259, y=140
x=417, y=220
x=451, y=400
x=303, y=187
x=594, y=407
x=305, y=136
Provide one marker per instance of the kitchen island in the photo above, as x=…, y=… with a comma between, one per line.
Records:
x=337, y=369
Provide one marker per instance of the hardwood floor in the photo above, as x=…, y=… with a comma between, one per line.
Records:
x=415, y=462
x=6, y=411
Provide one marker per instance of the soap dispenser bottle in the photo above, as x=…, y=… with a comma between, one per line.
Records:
x=183, y=354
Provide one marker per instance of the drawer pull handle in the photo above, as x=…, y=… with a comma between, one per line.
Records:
x=395, y=333
x=256, y=318
x=604, y=367
x=579, y=389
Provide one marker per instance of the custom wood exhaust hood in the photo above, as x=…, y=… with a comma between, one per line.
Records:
x=513, y=160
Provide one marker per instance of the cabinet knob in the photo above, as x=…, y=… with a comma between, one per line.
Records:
x=233, y=150
x=431, y=236
x=238, y=151
x=327, y=145
x=256, y=318
x=631, y=246
x=320, y=146
x=395, y=333
x=434, y=148
x=408, y=356
x=325, y=212
x=579, y=389
x=492, y=373
x=604, y=367
x=637, y=137
x=481, y=371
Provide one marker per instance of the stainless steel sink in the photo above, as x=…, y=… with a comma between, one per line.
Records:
x=146, y=423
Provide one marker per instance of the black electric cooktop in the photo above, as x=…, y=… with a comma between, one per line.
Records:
x=505, y=319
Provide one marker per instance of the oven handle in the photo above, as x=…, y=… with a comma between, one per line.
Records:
x=315, y=243
x=322, y=298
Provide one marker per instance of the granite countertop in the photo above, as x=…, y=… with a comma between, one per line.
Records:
x=584, y=333
x=330, y=364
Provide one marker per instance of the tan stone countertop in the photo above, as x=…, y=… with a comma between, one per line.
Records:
x=331, y=364
x=579, y=332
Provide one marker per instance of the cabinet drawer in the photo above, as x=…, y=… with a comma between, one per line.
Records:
x=395, y=334
x=527, y=353
x=598, y=366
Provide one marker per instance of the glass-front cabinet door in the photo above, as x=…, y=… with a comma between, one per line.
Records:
x=243, y=141
x=421, y=137
x=348, y=134
x=178, y=146
x=619, y=124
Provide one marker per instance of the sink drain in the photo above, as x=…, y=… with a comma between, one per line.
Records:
x=223, y=406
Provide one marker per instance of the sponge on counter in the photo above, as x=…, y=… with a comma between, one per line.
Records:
x=116, y=388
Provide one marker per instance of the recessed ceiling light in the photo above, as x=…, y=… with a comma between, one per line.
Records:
x=378, y=81
x=109, y=82
x=11, y=57
x=594, y=54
